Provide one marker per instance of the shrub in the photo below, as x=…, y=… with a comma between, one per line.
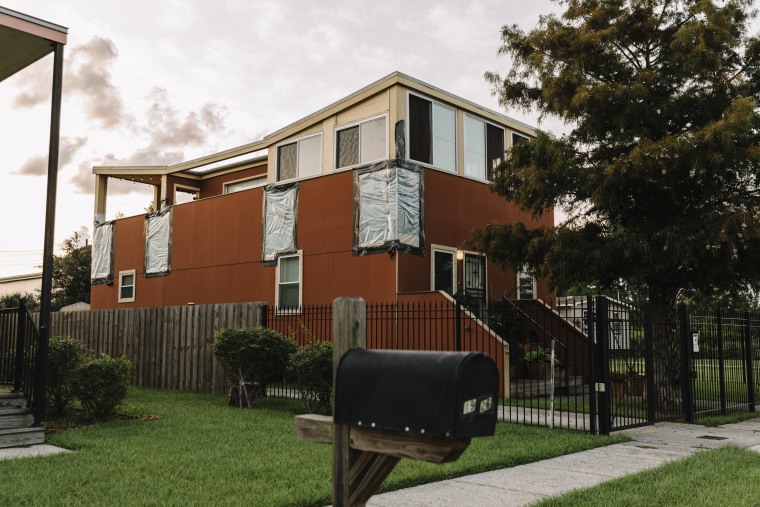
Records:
x=64, y=358
x=313, y=368
x=102, y=385
x=253, y=356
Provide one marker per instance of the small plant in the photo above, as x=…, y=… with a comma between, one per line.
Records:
x=252, y=358
x=540, y=355
x=102, y=384
x=65, y=356
x=313, y=368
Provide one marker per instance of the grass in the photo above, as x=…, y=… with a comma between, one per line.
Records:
x=726, y=476
x=200, y=452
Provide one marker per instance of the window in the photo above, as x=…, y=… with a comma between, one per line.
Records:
x=432, y=133
x=158, y=238
x=101, y=270
x=526, y=284
x=280, y=212
x=127, y=286
x=361, y=144
x=289, y=272
x=183, y=194
x=484, y=148
x=239, y=186
x=519, y=138
x=388, y=214
x=300, y=158
x=443, y=270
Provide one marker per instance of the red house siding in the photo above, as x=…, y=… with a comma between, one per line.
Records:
x=216, y=246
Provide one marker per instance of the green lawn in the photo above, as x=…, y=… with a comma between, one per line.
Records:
x=200, y=452
x=727, y=476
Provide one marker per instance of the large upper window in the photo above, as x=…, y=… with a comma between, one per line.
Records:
x=102, y=254
x=289, y=274
x=388, y=209
x=240, y=185
x=483, y=148
x=158, y=239
x=432, y=133
x=280, y=212
x=361, y=144
x=299, y=158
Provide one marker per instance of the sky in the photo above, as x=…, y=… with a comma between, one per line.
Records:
x=156, y=83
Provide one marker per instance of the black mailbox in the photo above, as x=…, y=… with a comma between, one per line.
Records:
x=434, y=394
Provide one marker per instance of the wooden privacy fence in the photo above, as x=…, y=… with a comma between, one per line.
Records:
x=170, y=347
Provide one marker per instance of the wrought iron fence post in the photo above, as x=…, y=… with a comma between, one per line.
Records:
x=649, y=363
x=458, y=325
x=721, y=364
x=603, y=365
x=750, y=368
x=18, y=369
x=592, y=347
x=687, y=395
x=264, y=315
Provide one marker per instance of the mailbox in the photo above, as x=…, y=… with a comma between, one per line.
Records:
x=433, y=394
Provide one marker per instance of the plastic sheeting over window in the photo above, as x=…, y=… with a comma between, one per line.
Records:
x=101, y=270
x=388, y=208
x=280, y=214
x=158, y=239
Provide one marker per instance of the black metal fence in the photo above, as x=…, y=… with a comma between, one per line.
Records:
x=590, y=364
x=19, y=356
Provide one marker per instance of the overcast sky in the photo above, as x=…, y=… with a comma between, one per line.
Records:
x=159, y=82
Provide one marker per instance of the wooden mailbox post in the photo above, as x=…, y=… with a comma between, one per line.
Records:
x=364, y=456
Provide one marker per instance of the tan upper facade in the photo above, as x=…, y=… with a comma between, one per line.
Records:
x=363, y=127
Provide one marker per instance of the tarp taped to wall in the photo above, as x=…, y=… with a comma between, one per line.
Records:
x=280, y=220
x=158, y=239
x=388, y=208
x=101, y=269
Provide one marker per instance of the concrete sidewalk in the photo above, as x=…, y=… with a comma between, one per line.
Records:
x=651, y=446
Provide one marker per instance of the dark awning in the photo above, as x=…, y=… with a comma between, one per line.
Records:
x=24, y=40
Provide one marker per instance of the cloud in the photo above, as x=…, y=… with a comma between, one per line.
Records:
x=37, y=165
x=167, y=128
x=89, y=75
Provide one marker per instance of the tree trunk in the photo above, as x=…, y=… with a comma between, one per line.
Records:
x=667, y=351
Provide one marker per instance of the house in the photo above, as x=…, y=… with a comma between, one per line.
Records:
x=574, y=309
x=372, y=196
x=24, y=284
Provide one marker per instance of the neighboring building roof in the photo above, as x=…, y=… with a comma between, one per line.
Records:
x=20, y=278
x=24, y=40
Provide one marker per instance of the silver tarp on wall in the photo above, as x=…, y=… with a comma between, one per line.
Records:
x=158, y=239
x=280, y=220
x=388, y=208
x=101, y=270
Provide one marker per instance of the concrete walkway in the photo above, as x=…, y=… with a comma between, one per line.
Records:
x=651, y=447
x=30, y=451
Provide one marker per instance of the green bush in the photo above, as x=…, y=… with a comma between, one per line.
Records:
x=313, y=367
x=65, y=356
x=102, y=385
x=254, y=356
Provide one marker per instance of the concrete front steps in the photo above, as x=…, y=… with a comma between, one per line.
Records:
x=16, y=421
x=565, y=385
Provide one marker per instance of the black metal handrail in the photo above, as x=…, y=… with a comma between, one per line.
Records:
x=19, y=356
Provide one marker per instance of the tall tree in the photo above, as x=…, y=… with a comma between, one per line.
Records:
x=660, y=171
x=71, y=273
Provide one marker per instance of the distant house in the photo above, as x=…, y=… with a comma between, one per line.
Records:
x=373, y=196
x=29, y=283
x=574, y=310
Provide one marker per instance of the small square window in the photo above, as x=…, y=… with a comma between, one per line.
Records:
x=300, y=158
x=361, y=144
x=127, y=286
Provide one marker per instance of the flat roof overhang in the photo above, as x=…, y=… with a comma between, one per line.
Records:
x=24, y=40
